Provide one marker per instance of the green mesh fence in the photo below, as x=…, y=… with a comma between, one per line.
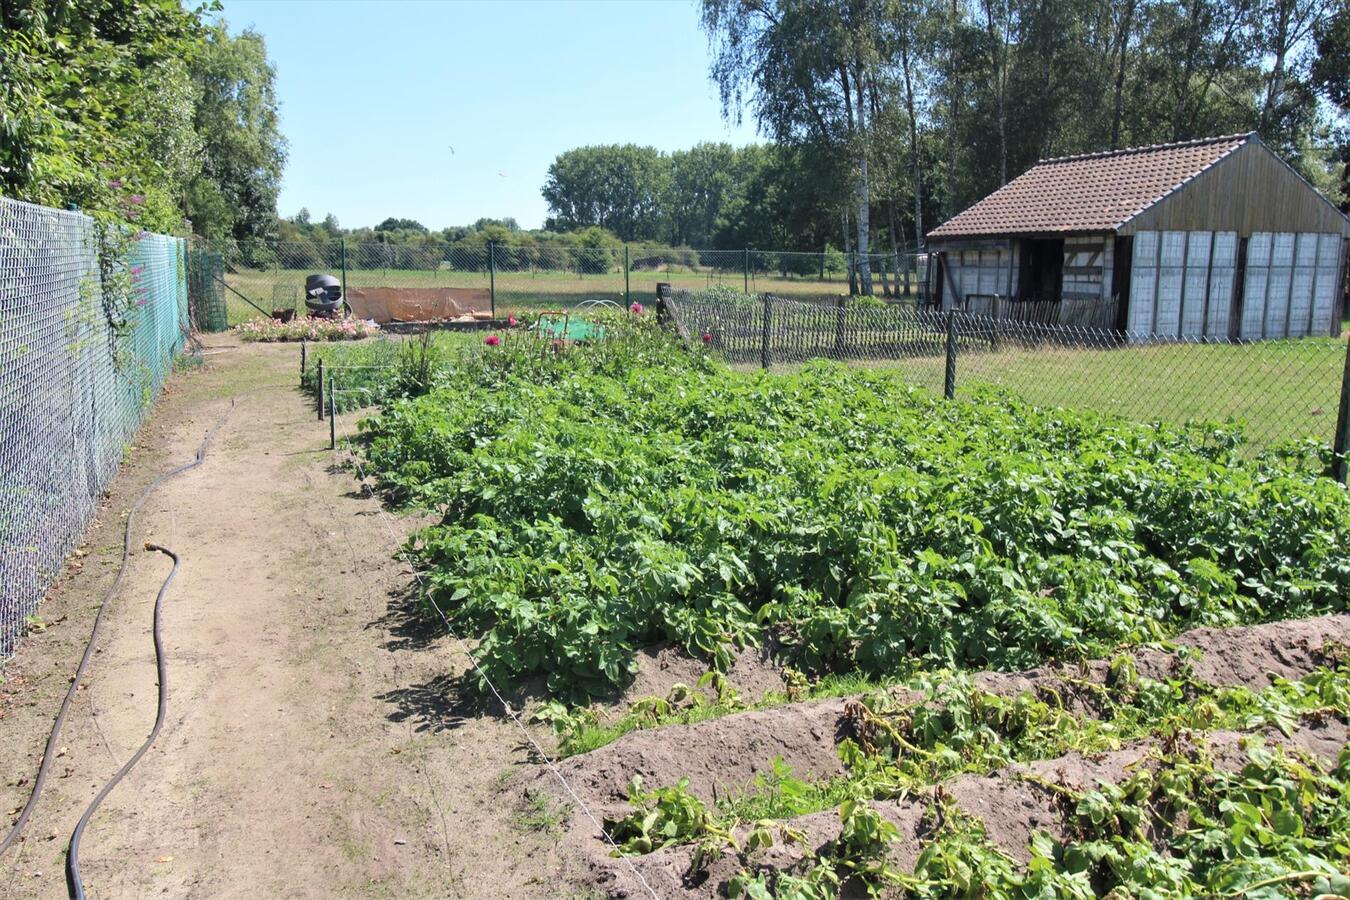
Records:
x=84, y=350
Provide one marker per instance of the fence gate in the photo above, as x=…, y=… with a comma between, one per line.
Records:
x=206, y=293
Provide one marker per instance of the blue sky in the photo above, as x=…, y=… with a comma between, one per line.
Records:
x=375, y=94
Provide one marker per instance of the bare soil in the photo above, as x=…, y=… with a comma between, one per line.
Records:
x=723, y=756
x=319, y=741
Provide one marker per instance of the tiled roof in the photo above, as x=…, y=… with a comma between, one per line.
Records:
x=1093, y=192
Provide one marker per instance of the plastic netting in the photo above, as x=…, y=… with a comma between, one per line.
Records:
x=79, y=369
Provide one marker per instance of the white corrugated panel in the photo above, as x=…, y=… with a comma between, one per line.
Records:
x=1172, y=251
x=1171, y=268
x=1258, y=250
x=1143, y=283
x=1253, y=325
x=1300, y=301
x=1301, y=285
x=1222, y=270
x=1277, y=284
x=1195, y=283
x=1282, y=249
x=1324, y=284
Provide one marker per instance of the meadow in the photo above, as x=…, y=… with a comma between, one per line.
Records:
x=529, y=290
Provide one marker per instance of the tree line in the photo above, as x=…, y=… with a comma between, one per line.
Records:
x=141, y=111
x=910, y=110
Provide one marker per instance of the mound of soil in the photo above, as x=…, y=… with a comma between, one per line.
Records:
x=751, y=675
x=1010, y=807
x=722, y=757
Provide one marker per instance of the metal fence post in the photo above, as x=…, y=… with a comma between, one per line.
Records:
x=344, y=271
x=1341, y=446
x=321, y=389
x=627, y=297
x=949, y=384
x=745, y=265
x=765, y=332
x=332, y=415
x=492, y=276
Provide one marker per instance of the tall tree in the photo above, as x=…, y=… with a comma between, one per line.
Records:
x=617, y=187
x=243, y=150
x=805, y=66
x=96, y=106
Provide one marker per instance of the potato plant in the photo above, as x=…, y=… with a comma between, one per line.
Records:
x=593, y=500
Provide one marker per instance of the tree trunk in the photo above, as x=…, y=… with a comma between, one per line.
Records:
x=848, y=253
x=999, y=53
x=1122, y=48
x=858, y=128
x=897, y=241
x=917, y=171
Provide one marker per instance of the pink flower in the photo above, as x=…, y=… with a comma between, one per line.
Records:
x=492, y=340
x=115, y=183
x=707, y=338
x=136, y=199
x=636, y=308
x=511, y=321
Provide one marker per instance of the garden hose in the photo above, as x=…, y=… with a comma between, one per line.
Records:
x=74, y=883
x=52, y=740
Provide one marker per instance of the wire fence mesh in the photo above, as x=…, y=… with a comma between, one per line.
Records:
x=1277, y=390
x=90, y=324
x=263, y=278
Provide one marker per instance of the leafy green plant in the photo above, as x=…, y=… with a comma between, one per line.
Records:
x=594, y=499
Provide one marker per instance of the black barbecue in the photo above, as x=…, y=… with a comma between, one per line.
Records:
x=323, y=296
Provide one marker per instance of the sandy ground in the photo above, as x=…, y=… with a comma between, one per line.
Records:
x=317, y=741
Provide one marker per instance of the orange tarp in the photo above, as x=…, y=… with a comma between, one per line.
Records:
x=391, y=304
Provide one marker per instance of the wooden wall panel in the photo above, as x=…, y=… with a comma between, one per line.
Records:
x=1248, y=191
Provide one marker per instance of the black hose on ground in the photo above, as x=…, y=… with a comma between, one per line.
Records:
x=52, y=740
x=74, y=883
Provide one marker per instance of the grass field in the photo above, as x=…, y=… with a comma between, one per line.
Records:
x=1278, y=390
x=524, y=291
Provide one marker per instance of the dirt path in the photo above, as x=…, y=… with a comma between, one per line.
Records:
x=317, y=743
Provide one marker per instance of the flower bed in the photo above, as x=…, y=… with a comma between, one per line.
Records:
x=272, y=330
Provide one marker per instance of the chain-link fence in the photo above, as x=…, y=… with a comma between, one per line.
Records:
x=1278, y=390
x=90, y=323
x=265, y=278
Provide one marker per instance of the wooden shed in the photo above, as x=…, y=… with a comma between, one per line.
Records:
x=1214, y=238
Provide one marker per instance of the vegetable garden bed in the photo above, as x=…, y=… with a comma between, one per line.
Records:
x=594, y=501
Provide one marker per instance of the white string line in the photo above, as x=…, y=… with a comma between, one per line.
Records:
x=548, y=761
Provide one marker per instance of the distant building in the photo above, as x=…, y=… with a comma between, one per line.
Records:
x=1213, y=238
